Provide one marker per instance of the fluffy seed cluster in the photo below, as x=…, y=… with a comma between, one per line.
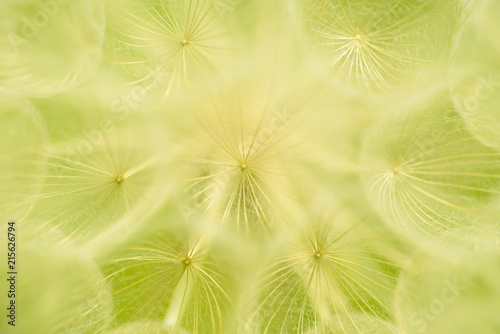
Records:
x=254, y=167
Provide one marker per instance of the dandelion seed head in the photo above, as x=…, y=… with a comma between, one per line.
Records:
x=379, y=43
x=170, y=41
x=317, y=274
x=97, y=181
x=242, y=161
x=430, y=176
x=166, y=271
